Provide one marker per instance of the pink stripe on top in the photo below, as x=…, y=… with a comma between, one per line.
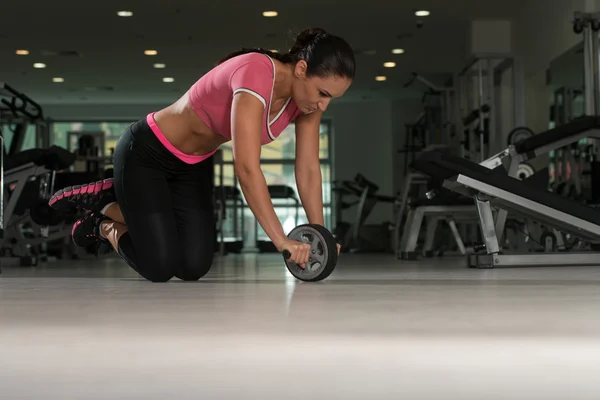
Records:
x=186, y=158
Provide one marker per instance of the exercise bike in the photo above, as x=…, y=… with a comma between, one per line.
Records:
x=357, y=236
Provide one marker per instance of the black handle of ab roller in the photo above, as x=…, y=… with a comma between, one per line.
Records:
x=323, y=245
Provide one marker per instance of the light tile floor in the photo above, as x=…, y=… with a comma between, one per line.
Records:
x=377, y=328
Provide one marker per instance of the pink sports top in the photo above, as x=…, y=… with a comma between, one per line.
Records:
x=211, y=96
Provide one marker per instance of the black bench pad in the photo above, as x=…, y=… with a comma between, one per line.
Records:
x=561, y=132
x=54, y=158
x=443, y=166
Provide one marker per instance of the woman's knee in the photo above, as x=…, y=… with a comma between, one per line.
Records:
x=195, y=268
x=163, y=265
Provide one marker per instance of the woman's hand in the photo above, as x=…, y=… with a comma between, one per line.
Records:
x=299, y=252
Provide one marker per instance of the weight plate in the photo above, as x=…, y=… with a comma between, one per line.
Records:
x=524, y=171
x=519, y=134
x=323, y=253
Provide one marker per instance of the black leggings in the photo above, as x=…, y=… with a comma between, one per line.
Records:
x=168, y=209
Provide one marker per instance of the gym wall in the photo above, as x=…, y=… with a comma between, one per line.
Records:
x=543, y=31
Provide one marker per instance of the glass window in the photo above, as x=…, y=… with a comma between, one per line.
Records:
x=277, y=164
x=112, y=131
x=29, y=141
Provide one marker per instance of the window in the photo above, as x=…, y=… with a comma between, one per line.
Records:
x=112, y=131
x=29, y=141
x=277, y=163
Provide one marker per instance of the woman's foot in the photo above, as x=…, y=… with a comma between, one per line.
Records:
x=95, y=196
x=86, y=231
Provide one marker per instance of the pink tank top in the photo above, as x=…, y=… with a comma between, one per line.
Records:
x=211, y=96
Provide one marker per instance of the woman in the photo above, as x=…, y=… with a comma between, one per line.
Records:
x=158, y=215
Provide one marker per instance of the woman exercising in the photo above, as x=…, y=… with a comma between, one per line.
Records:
x=158, y=214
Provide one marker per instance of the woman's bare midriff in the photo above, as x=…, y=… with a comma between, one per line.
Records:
x=185, y=130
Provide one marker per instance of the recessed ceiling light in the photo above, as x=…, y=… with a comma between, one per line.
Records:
x=39, y=65
x=168, y=79
x=22, y=52
x=389, y=64
x=422, y=13
x=274, y=51
x=150, y=52
x=398, y=51
x=270, y=14
x=159, y=65
x=380, y=78
x=58, y=79
x=124, y=13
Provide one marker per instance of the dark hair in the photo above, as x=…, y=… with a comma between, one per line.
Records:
x=324, y=53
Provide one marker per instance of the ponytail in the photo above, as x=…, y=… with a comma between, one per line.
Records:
x=284, y=58
x=325, y=54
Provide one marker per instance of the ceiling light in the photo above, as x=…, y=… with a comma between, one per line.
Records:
x=380, y=78
x=39, y=65
x=275, y=51
x=124, y=13
x=389, y=64
x=58, y=80
x=150, y=52
x=168, y=80
x=270, y=13
x=22, y=52
x=422, y=13
x=159, y=65
x=397, y=51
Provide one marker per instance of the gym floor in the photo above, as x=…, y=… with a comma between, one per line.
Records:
x=377, y=328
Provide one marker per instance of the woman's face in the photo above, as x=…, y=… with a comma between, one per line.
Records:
x=314, y=93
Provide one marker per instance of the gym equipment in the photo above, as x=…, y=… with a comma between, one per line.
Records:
x=286, y=195
x=479, y=86
x=515, y=159
x=494, y=188
x=323, y=253
x=437, y=123
x=359, y=236
x=450, y=210
x=519, y=134
x=89, y=146
x=17, y=112
x=28, y=183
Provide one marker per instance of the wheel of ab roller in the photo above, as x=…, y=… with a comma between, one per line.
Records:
x=323, y=253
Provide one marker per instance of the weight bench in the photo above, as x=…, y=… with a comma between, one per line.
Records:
x=438, y=209
x=494, y=188
x=513, y=158
x=28, y=182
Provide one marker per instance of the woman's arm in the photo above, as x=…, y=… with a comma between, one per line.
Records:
x=246, y=127
x=308, y=168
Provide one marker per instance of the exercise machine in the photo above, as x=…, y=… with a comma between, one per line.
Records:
x=283, y=196
x=358, y=235
x=494, y=189
x=29, y=222
x=514, y=159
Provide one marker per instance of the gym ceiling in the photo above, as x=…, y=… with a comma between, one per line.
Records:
x=100, y=55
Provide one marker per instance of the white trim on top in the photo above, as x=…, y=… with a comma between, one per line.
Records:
x=252, y=92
